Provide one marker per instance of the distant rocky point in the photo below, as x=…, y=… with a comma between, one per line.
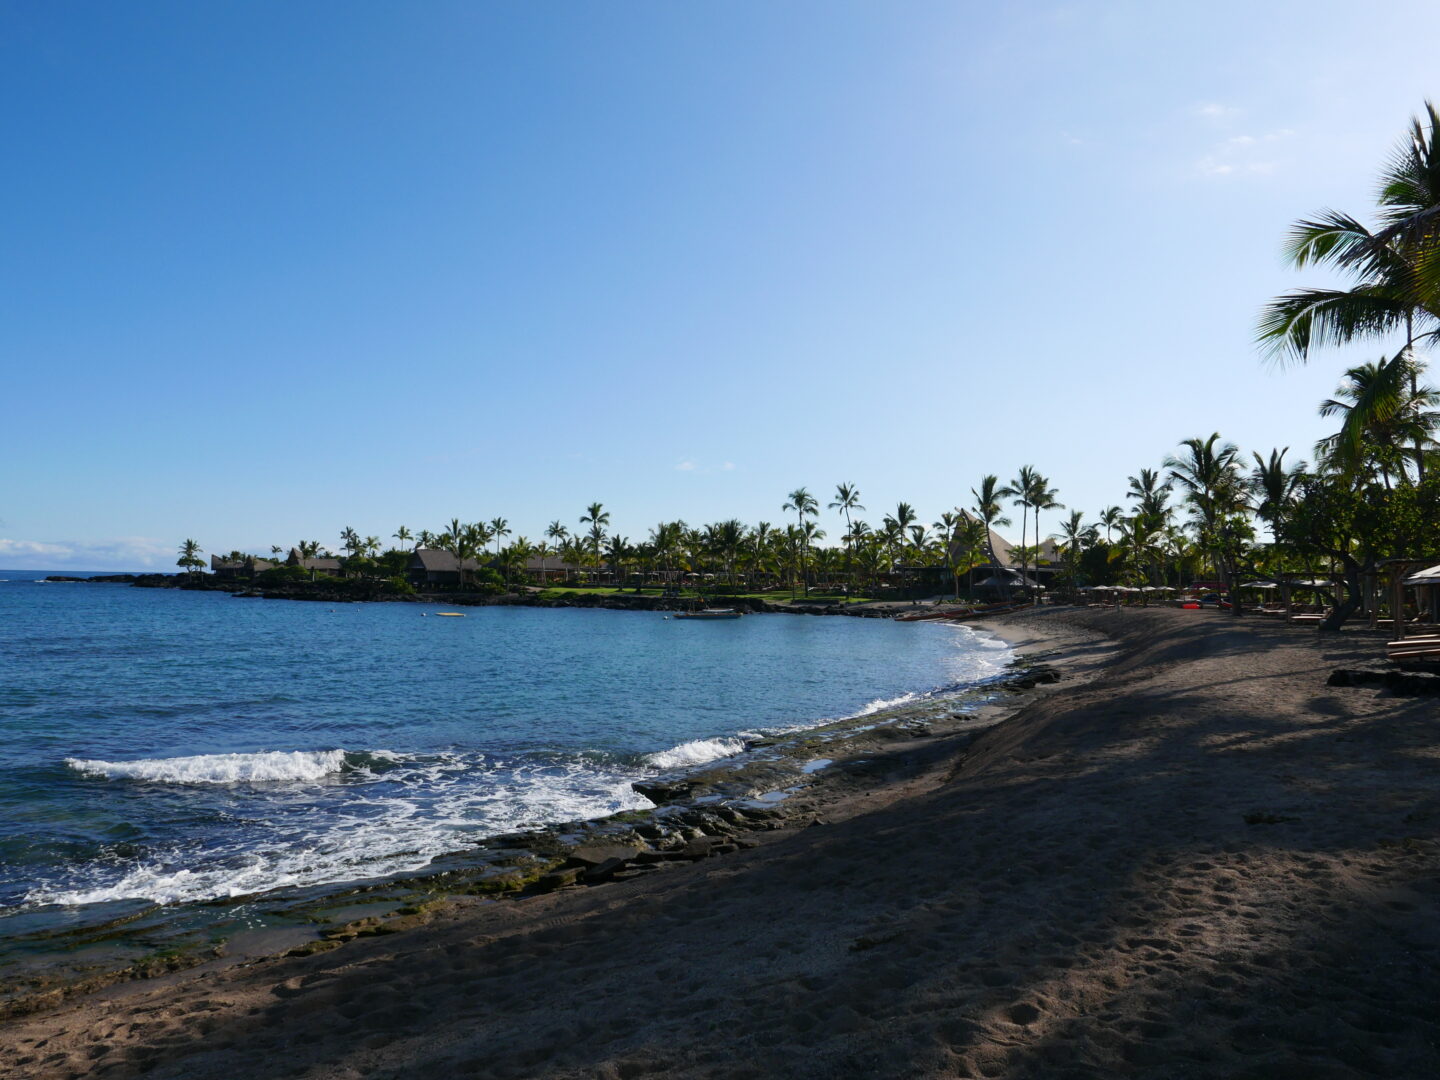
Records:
x=112, y=579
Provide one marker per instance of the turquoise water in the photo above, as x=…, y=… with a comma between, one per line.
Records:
x=174, y=746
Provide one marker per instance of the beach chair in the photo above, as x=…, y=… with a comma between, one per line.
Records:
x=1415, y=648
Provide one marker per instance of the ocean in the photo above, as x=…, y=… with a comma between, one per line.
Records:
x=175, y=746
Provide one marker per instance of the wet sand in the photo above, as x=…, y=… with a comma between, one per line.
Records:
x=1194, y=860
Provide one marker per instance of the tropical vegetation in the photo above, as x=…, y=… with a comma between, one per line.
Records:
x=1206, y=513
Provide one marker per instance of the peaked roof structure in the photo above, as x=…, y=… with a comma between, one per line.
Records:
x=436, y=560
x=1005, y=550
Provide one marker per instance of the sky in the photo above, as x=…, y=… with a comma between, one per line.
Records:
x=269, y=270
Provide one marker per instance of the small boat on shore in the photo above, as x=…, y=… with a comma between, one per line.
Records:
x=709, y=613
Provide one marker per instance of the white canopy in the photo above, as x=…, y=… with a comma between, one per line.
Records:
x=1428, y=576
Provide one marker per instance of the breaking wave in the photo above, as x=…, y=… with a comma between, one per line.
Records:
x=268, y=765
x=694, y=752
x=879, y=704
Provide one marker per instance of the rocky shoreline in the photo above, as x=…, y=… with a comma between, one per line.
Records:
x=1199, y=859
x=361, y=591
x=774, y=785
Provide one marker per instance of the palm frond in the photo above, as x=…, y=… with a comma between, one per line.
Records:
x=1292, y=324
x=1330, y=237
x=1410, y=183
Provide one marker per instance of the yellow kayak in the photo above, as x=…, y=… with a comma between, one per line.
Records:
x=449, y=614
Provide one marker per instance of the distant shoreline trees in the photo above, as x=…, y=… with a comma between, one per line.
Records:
x=1371, y=494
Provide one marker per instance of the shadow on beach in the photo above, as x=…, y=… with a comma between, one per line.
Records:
x=1203, y=863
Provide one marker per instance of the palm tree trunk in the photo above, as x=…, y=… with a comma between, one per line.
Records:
x=1024, y=520
x=1414, y=390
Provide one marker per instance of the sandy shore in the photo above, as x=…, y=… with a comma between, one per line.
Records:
x=1197, y=860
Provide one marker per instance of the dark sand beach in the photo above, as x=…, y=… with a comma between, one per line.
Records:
x=1194, y=859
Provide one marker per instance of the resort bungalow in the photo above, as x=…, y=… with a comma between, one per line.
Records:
x=434, y=567
x=329, y=567
x=233, y=569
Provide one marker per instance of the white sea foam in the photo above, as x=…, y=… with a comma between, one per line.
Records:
x=695, y=752
x=878, y=704
x=394, y=821
x=219, y=768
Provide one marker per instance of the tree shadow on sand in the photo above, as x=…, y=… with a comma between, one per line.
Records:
x=1202, y=865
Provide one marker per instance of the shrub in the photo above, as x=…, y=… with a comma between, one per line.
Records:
x=283, y=575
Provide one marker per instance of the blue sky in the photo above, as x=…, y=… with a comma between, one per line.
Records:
x=269, y=270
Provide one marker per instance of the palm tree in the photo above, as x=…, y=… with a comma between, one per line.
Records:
x=190, y=560
x=810, y=533
x=1041, y=497
x=597, y=518
x=1018, y=491
x=1396, y=270
x=350, y=540
x=727, y=537
x=574, y=551
x=987, y=508
x=402, y=536
x=617, y=551
x=1149, y=492
x=1075, y=537
x=905, y=516
x=1275, y=485
x=1210, y=478
x=456, y=540
x=762, y=542
x=847, y=501
x=517, y=556
x=1383, y=408
x=1110, y=518
x=499, y=527
x=560, y=536
x=543, y=551
x=967, y=546
x=803, y=503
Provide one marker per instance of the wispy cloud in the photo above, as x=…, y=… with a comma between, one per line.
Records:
x=1244, y=155
x=690, y=465
x=1214, y=110
x=120, y=553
